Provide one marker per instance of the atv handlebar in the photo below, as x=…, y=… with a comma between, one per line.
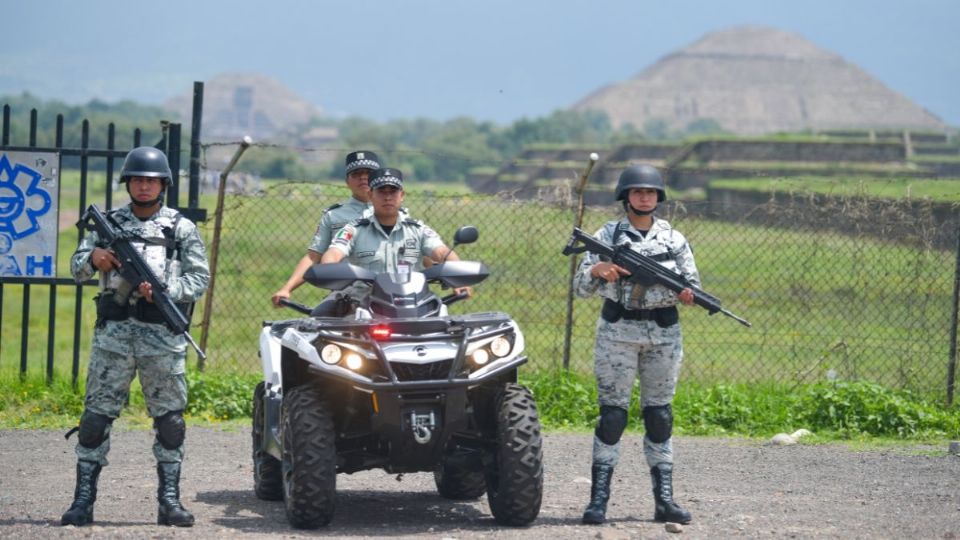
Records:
x=297, y=306
x=455, y=297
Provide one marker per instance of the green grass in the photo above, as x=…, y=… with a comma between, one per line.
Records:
x=940, y=190
x=866, y=169
x=936, y=158
x=841, y=410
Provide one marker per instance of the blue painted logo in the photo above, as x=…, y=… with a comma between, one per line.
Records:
x=22, y=201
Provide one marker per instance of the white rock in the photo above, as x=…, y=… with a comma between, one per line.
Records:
x=783, y=439
x=800, y=433
x=673, y=528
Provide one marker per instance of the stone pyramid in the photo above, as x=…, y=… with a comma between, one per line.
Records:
x=756, y=80
x=237, y=104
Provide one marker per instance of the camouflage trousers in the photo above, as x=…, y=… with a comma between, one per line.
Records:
x=109, y=375
x=624, y=351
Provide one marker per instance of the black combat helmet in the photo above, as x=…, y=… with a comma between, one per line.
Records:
x=146, y=161
x=641, y=176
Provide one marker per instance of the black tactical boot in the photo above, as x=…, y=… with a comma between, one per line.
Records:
x=170, y=511
x=666, y=509
x=596, y=512
x=85, y=494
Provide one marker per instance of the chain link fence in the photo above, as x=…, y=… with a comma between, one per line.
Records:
x=836, y=288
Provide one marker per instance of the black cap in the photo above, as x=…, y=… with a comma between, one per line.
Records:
x=386, y=177
x=362, y=159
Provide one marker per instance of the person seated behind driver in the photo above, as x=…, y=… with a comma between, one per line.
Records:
x=387, y=239
x=358, y=166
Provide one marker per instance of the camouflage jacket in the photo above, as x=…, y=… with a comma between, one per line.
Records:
x=661, y=241
x=183, y=267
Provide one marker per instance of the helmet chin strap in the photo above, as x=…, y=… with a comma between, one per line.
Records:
x=640, y=212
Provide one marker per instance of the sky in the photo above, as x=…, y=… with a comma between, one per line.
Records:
x=491, y=60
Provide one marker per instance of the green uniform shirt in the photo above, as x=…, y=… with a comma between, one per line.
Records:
x=334, y=218
x=365, y=244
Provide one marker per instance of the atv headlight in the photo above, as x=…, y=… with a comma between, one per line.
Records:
x=331, y=353
x=353, y=361
x=500, y=347
x=480, y=357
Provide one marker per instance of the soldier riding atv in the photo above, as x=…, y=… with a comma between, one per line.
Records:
x=400, y=385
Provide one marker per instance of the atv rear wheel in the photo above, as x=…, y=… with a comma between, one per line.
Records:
x=267, y=475
x=309, y=459
x=515, y=479
x=458, y=483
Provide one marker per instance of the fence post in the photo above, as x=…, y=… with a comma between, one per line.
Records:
x=952, y=362
x=577, y=221
x=215, y=246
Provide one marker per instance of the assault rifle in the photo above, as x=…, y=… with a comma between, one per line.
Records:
x=643, y=268
x=135, y=270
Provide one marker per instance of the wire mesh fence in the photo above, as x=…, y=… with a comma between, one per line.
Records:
x=835, y=288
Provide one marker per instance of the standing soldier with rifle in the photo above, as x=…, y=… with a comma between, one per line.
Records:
x=638, y=335
x=133, y=334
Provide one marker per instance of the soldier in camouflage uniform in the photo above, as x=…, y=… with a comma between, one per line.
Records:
x=387, y=239
x=359, y=165
x=131, y=337
x=638, y=335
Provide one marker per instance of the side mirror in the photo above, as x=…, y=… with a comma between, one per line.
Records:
x=467, y=234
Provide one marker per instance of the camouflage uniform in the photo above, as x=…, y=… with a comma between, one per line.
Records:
x=627, y=349
x=121, y=348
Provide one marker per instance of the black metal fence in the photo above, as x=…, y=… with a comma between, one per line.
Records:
x=62, y=334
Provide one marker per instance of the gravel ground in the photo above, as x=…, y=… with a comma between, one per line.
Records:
x=733, y=487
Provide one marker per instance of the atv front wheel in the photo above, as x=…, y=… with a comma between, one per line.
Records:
x=458, y=483
x=515, y=478
x=267, y=475
x=309, y=459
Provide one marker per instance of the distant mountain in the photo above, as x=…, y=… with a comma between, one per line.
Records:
x=754, y=80
x=238, y=104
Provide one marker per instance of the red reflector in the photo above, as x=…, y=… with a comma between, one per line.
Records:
x=380, y=332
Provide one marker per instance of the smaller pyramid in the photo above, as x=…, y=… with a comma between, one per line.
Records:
x=238, y=104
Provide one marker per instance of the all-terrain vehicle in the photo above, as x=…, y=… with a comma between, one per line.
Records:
x=400, y=385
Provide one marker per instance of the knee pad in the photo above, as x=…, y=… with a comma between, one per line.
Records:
x=658, y=422
x=613, y=420
x=93, y=429
x=171, y=429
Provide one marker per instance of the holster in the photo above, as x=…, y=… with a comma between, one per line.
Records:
x=148, y=312
x=108, y=309
x=612, y=311
x=667, y=316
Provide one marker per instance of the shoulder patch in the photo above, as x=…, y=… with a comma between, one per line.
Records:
x=414, y=222
x=332, y=207
x=362, y=222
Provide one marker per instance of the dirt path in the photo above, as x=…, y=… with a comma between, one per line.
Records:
x=734, y=488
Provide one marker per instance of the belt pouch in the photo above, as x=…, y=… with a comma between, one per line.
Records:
x=108, y=309
x=666, y=317
x=612, y=311
x=148, y=312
